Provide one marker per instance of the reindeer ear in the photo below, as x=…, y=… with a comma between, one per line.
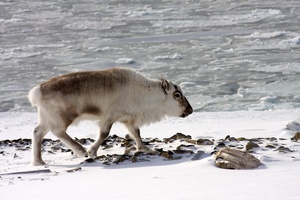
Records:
x=165, y=85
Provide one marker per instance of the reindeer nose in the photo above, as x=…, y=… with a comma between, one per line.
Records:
x=188, y=110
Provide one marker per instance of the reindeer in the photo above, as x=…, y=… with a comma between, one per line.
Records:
x=109, y=96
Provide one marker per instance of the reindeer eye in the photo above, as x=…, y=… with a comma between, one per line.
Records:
x=177, y=95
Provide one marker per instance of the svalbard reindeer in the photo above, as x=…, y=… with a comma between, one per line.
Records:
x=114, y=95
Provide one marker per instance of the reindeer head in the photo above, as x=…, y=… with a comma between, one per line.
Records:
x=176, y=103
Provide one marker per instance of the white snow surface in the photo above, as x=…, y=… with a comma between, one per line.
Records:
x=277, y=178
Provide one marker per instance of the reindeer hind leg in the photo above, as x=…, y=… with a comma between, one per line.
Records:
x=77, y=148
x=105, y=127
x=38, y=134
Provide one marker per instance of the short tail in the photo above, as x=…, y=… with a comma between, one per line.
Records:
x=35, y=95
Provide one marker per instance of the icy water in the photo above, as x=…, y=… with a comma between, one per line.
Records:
x=226, y=54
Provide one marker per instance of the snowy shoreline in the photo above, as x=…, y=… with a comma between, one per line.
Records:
x=278, y=178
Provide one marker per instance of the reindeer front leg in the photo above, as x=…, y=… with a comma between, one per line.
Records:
x=135, y=133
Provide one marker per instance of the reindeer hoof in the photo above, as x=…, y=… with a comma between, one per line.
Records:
x=148, y=151
x=37, y=163
x=92, y=153
x=81, y=152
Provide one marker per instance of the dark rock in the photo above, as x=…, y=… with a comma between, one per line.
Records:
x=155, y=140
x=133, y=159
x=81, y=141
x=273, y=139
x=23, y=148
x=180, y=136
x=232, y=139
x=200, y=141
x=160, y=150
x=170, y=152
x=101, y=158
x=182, y=149
x=176, y=157
x=177, y=136
x=127, y=143
x=220, y=145
x=16, y=140
x=166, y=155
x=283, y=149
x=5, y=142
x=74, y=169
x=65, y=150
x=168, y=140
x=107, y=146
x=91, y=140
x=254, y=140
x=128, y=137
x=48, y=140
x=270, y=146
x=204, y=142
x=282, y=138
x=114, y=136
x=153, y=152
x=120, y=158
x=250, y=145
x=106, y=163
x=138, y=153
x=89, y=160
x=191, y=141
x=241, y=139
x=56, y=147
x=24, y=142
x=229, y=138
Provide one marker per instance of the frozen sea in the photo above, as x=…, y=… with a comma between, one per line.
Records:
x=227, y=55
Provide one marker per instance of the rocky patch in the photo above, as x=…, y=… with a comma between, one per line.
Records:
x=176, y=147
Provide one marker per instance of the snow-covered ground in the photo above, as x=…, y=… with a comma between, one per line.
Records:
x=277, y=178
